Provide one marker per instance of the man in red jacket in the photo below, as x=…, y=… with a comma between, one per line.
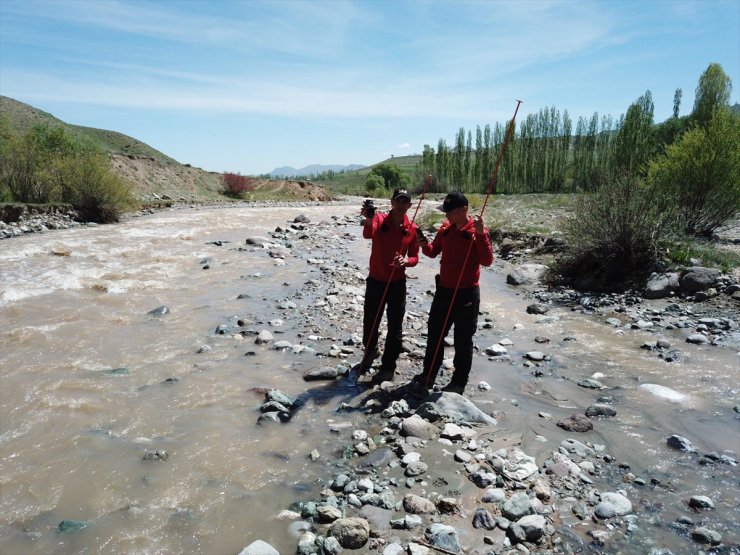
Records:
x=458, y=235
x=394, y=248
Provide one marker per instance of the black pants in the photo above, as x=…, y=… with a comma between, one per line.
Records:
x=464, y=315
x=395, y=305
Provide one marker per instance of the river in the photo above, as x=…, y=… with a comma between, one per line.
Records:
x=91, y=381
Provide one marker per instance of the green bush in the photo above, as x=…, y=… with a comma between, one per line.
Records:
x=374, y=184
x=701, y=172
x=613, y=239
x=97, y=194
x=47, y=164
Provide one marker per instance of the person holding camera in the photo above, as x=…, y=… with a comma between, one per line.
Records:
x=457, y=296
x=394, y=248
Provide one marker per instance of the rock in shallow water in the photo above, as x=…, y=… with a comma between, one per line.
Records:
x=664, y=392
x=576, y=423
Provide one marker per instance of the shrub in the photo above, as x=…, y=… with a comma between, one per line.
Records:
x=374, y=184
x=236, y=184
x=88, y=183
x=701, y=172
x=614, y=237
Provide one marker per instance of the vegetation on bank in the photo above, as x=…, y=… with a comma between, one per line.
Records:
x=49, y=165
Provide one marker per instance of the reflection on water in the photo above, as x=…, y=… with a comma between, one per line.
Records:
x=90, y=381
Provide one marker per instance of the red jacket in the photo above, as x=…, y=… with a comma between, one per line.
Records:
x=454, y=243
x=388, y=241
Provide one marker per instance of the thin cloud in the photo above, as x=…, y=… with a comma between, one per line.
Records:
x=403, y=146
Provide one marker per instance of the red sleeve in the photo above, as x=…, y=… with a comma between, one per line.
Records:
x=412, y=256
x=483, y=246
x=369, y=228
x=435, y=247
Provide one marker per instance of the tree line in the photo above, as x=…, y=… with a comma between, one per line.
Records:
x=548, y=154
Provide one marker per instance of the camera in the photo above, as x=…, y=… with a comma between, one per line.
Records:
x=368, y=208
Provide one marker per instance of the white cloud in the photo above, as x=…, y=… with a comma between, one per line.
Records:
x=403, y=146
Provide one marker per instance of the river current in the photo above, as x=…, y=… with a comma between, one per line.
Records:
x=90, y=381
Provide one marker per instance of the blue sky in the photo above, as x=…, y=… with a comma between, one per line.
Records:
x=246, y=86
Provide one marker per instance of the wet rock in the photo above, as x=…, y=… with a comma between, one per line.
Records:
x=351, y=533
x=706, y=536
x=273, y=417
x=605, y=510
x=576, y=423
x=454, y=404
x=680, y=443
x=663, y=392
x=325, y=373
x=273, y=406
x=257, y=241
x=598, y=409
x=259, y=547
x=301, y=219
x=159, y=311
x=674, y=355
x=622, y=506
x=282, y=398
x=537, y=308
x=535, y=356
x=701, y=502
x=697, y=339
x=263, y=337
x=496, y=350
x=155, y=455
x=71, y=526
x=377, y=517
x=377, y=459
x=307, y=544
x=590, y=383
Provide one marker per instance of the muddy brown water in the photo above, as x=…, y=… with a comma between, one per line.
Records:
x=73, y=433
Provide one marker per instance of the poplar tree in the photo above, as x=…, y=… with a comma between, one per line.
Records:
x=713, y=91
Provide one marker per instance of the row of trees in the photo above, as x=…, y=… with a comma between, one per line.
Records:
x=47, y=164
x=547, y=155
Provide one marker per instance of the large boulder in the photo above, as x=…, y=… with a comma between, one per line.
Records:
x=660, y=286
x=698, y=278
x=352, y=533
x=526, y=274
x=455, y=405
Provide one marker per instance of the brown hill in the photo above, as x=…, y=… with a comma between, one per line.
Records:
x=152, y=174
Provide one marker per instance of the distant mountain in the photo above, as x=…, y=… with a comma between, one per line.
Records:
x=315, y=169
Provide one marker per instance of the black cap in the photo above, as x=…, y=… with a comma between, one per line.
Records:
x=401, y=192
x=453, y=200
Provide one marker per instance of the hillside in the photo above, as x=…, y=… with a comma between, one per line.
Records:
x=153, y=175
x=314, y=169
x=353, y=182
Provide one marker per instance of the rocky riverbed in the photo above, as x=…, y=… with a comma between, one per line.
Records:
x=435, y=472
x=592, y=423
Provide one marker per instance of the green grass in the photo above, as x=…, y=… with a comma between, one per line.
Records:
x=23, y=117
x=709, y=255
x=353, y=183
